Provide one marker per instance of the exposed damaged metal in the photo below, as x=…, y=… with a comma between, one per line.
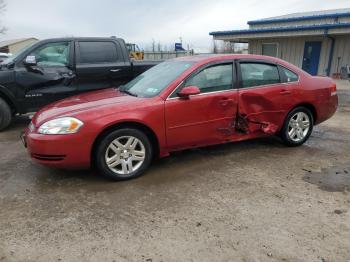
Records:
x=241, y=123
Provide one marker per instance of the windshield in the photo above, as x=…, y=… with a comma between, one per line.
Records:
x=156, y=79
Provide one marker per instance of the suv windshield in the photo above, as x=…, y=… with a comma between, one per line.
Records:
x=156, y=79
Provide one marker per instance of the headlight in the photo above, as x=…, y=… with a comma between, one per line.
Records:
x=61, y=126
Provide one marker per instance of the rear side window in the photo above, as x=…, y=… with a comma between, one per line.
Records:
x=97, y=52
x=290, y=76
x=257, y=74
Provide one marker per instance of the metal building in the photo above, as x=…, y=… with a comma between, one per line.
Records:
x=318, y=42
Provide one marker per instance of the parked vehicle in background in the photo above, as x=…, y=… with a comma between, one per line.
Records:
x=135, y=51
x=53, y=69
x=179, y=104
x=4, y=56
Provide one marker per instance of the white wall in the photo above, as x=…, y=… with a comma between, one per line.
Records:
x=342, y=50
x=292, y=50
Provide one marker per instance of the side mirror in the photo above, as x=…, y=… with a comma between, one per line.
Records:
x=188, y=91
x=30, y=60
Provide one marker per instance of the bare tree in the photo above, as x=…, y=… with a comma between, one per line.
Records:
x=3, y=29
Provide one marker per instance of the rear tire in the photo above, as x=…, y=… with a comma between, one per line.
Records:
x=5, y=114
x=123, y=154
x=297, y=127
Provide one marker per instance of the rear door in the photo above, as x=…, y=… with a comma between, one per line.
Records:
x=100, y=64
x=266, y=95
x=206, y=118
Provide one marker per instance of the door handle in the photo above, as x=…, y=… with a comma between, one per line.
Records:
x=114, y=70
x=225, y=102
x=67, y=77
x=285, y=92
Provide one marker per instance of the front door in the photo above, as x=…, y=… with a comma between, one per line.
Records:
x=51, y=79
x=312, y=51
x=206, y=118
x=265, y=96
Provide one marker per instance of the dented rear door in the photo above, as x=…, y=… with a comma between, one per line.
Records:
x=263, y=97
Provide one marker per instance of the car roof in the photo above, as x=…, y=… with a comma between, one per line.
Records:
x=212, y=58
x=220, y=57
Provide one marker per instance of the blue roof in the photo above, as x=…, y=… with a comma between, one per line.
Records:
x=281, y=29
x=303, y=16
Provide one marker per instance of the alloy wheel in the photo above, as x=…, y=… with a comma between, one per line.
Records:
x=125, y=155
x=298, y=126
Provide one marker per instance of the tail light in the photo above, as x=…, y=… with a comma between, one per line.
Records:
x=333, y=89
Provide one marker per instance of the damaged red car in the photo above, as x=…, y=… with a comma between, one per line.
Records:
x=180, y=104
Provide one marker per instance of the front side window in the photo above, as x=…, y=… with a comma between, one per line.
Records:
x=212, y=79
x=52, y=54
x=290, y=76
x=97, y=52
x=257, y=74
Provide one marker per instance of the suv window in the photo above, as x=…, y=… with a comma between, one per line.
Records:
x=257, y=74
x=52, y=54
x=290, y=76
x=214, y=78
x=97, y=52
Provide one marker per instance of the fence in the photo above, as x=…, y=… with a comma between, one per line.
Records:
x=164, y=55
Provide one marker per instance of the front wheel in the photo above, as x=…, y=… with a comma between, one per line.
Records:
x=124, y=154
x=297, y=127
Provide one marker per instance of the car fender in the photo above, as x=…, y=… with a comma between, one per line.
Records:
x=154, y=122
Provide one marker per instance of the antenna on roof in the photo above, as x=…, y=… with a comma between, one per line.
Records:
x=113, y=36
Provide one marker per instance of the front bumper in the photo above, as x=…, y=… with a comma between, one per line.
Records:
x=59, y=151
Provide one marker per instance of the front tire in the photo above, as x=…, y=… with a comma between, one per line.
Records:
x=124, y=154
x=5, y=114
x=297, y=127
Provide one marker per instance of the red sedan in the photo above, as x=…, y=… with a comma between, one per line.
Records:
x=179, y=104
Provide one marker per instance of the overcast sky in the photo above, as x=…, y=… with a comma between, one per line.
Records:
x=140, y=21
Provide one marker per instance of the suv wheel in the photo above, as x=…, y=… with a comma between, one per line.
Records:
x=297, y=127
x=124, y=154
x=5, y=114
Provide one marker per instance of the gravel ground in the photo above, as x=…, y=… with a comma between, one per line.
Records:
x=250, y=201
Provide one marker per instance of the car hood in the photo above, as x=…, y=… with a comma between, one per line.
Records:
x=75, y=104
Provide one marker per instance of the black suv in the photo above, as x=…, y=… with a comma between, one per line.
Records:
x=53, y=69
